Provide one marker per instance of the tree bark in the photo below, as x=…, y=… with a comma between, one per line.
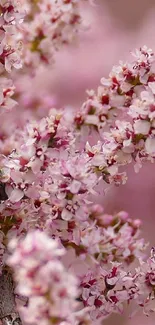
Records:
x=8, y=313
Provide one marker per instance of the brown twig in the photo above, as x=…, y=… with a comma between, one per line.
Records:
x=8, y=313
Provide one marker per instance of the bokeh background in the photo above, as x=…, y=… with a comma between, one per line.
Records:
x=116, y=28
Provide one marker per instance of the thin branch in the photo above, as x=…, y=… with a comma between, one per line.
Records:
x=8, y=313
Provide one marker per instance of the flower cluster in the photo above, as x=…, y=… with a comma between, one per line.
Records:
x=116, y=94
x=11, y=16
x=49, y=25
x=128, y=94
x=49, y=182
x=51, y=171
x=46, y=161
x=105, y=291
x=34, y=40
x=112, y=237
x=50, y=289
x=101, y=238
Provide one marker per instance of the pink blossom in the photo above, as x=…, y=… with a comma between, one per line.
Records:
x=51, y=290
